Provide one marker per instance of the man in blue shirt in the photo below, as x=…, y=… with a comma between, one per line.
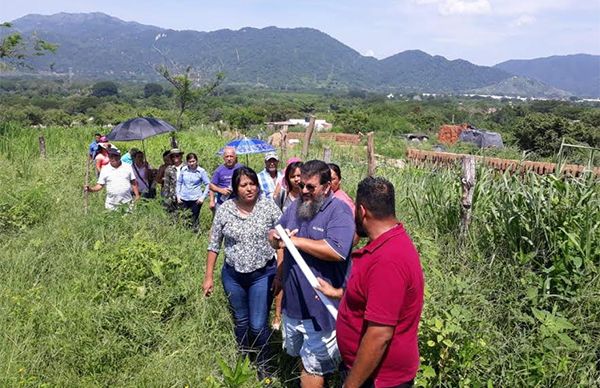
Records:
x=322, y=228
x=221, y=179
x=93, y=147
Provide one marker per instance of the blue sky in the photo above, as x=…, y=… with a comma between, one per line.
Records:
x=484, y=32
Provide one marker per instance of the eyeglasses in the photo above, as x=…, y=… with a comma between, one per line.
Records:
x=309, y=187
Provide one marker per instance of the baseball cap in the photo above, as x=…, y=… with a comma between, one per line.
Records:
x=113, y=151
x=271, y=155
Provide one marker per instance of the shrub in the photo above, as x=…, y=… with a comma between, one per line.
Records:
x=153, y=89
x=104, y=89
x=22, y=209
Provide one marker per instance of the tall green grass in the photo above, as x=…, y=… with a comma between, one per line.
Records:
x=114, y=299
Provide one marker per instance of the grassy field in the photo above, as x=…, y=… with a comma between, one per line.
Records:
x=107, y=299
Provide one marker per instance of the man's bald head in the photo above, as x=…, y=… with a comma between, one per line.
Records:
x=229, y=156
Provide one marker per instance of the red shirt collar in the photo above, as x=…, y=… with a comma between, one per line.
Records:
x=375, y=244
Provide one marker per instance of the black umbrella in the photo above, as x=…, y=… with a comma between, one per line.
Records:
x=139, y=128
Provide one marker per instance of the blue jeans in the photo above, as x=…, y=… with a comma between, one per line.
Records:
x=250, y=299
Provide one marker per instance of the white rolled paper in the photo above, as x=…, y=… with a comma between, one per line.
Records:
x=312, y=279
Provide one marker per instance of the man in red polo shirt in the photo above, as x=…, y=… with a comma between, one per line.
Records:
x=379, y=314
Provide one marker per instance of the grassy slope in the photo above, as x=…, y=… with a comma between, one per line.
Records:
x=106, y=299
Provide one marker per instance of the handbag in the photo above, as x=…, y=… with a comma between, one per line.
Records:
x=151, y=193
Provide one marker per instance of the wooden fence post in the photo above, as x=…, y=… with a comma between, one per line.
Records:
x=42, y=143
x=327, y=154
x=468, y=180
x=371, y=154
x=307, y=135
x=283, y=141
x=86, y=184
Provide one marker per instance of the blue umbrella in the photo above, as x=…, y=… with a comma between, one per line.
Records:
x=247, y=146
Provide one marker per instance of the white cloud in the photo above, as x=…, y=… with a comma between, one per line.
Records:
x=459, y=7
x=462, y=7
x=369, y=53
x=522, y=21
x=503, y=7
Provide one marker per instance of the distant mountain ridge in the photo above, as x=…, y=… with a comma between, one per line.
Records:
x=578, y=73
x=523, y=87
x=99, y=46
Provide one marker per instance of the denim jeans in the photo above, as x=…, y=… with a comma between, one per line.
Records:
x=250, y=299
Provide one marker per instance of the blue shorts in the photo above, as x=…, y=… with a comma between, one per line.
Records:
x=317, y=349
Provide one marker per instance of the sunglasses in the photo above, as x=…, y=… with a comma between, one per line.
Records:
x=309, y=187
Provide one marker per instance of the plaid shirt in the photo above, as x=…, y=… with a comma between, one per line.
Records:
x=267, y=184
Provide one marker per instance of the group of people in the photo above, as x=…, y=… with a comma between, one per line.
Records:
x=129, y=176
x=378, y=289
x=126, y=176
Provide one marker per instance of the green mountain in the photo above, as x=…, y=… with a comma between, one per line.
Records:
x=520, y=86
x=422, y=72
x=578, y=74
x=98, y=46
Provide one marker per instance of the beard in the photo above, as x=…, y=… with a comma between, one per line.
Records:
x=360, y=228
x=307, y=209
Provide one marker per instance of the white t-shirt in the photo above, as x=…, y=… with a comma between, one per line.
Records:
x=118, y=184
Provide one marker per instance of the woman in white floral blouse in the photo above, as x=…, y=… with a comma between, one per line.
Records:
x=242, y=225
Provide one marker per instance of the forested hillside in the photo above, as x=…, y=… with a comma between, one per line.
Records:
x=579, y=74
x=99, y=46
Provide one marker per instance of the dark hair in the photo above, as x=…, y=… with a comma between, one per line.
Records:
x=289, y=170
x=317, y=167
x=237, y=177
x=336, y=169
x=166, y=153
x=98, y=134
x=191, y=155
x=377, y=195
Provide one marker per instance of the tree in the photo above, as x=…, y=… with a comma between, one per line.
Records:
x=105, y=89
x=153, y=89
x=244, y=118
x=352, y=121
x=188, y=90
x=14, y=48
x=543, y=133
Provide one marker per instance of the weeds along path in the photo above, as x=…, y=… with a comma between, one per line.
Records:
x=113, y=299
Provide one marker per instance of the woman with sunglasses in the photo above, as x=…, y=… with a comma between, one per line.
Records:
x=242, y=224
